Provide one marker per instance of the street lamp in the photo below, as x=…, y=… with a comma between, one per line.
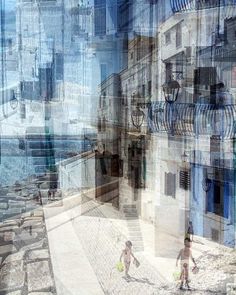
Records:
x=206, y=185
x=158, y=116
x=171, y=90
x=14, y=100
x=137, y=117
x=185, y=157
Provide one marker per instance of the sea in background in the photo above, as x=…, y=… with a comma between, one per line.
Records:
x=17, y=163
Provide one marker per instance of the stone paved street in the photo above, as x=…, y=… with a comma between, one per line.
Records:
x=25, y=260
x=26, y=266
x=102, y=243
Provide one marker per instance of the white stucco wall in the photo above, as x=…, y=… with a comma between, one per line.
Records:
x=77, y=172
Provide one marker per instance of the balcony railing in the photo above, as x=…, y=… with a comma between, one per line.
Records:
x=188, y=5
x=192, y=119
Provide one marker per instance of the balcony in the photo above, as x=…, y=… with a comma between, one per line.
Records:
x=188, y=119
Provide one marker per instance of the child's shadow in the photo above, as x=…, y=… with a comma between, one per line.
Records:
x=142, y=280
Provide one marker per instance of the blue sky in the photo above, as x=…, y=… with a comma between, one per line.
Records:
x=10, y=4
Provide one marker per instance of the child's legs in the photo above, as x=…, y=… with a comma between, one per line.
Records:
x=182, y=275
x=183, y=271
x=186, y=271
x=187, y=275
x=127, y=265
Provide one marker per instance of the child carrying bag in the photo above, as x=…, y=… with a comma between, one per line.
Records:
x=120, y=266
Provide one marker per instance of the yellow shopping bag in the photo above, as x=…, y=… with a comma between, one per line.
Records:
x=120, y=266
x=176, y=275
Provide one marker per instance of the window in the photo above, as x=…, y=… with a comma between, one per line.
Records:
x=167, y=37
x=104, y=124
x=170, y=184
x=103, y=72
x=178, y=35
x=99, y=124
x=138, y=54
x=9, y=44
x=46, y=83
x=126, y=95
x=203, y=4
x=184, y=179
x=218, y=199
x=100, y=101
x=169, y=67
x=59, y=66
x=143, y=90
x=104, y=104
x=99, y=18
x=149, y=88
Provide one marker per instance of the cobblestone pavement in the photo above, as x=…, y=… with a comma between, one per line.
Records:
x=25, y=264
x=24, y=253
x=102, y=243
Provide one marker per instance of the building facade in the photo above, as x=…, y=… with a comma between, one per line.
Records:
x=177, y=140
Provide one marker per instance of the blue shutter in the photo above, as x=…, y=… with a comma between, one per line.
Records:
x=210, y=200
x=226, y=200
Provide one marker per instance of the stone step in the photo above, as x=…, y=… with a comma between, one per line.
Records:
x=132, y=211
x=16, y=204
x=4, y=206
x=129, y=206
x=10, y=214
x=136, y=239
x=134, y=230
x=131, y=215
x=131, y=218
x=13, y=211
x=137, y=244
x=135, y=233
x=136, y=221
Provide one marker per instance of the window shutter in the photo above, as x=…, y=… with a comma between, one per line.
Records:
x=170, y=184
x=184, y=179
x=173, y=185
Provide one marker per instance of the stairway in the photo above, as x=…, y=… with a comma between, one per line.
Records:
x=134, y=230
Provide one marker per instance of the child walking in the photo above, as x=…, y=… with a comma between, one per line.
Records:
x=126, y=255
x=184, y=255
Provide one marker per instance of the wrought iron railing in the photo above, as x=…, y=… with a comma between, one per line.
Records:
x=188, y=5
x=192, y=119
